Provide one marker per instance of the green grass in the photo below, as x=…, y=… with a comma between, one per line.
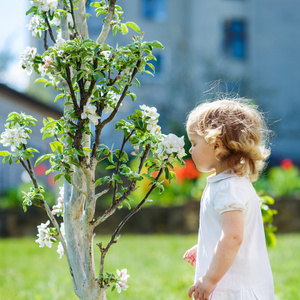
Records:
x=154, y=263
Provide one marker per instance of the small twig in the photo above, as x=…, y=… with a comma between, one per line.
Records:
x=131, y=188
x=134, y=211
x=50, y=30
x=125, y=140
x=112, y=115
x=103, y=192
x=73, y=17
x=73, y=97
x=45, y=40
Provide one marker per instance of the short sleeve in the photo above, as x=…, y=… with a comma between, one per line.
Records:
x=230, y=196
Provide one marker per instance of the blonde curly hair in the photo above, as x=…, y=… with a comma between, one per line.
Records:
x=237, y=130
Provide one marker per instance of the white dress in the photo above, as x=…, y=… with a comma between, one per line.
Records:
x=250, y=276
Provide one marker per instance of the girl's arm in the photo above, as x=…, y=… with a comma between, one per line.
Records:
x=224, y=255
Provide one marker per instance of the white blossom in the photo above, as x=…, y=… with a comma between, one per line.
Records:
x=59, y=40
x=106, y=54
x=126, y=72
x=26, y=59
x=44, y=235
x=150, y=112
x=35, y=22
x=58, y=209
x=170, y=144
x=60, y=250
x=46, y=5
x=89, y=112
x=70, y=19
x=14, y=137
x=114, y=98
x=122, y=280
x=150, y=116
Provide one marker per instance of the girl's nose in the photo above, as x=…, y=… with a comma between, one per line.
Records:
x=190, y=151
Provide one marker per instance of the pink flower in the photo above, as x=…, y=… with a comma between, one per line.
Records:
x=47, y=62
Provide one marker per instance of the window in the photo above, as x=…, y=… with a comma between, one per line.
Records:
x=235, y=39
x=155, y=10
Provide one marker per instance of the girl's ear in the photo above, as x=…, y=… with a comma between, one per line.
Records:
x=218, y=147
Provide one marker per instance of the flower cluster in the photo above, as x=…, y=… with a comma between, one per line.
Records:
x=45, y=5
x=27, y=58
x=89, y=112
x=122, y=280
x=113, y=100
x=58, y=209
x=35, y=24
x=14, y=137
x=170, y=145
x=45, y=235
x=150, y=116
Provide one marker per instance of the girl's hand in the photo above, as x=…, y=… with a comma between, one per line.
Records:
x=191, y=255
x=202, y=289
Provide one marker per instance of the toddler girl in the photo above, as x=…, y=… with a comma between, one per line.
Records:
x=227, y=136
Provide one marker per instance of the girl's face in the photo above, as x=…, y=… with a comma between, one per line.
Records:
x=203, y=153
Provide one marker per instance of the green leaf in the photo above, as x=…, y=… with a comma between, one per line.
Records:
x=41, y=80
x=32, y=9
x=5, y=159
x=101, y=181
x=57, y=176
x=57, y=147
x=156, y=44
x=95, y=4
x=110, y=167
x=59, y=96
x=115, y=29
x=134, y=26
x=68, y=178
x=4, y=153
x=124, y=28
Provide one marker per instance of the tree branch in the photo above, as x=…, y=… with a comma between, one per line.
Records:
x=73, y=17
x=50, y=30
x=45, y=40
x=110, y=211
x=103, y=192
x=118, y=229
x=112, y=115
x=107, y=26
x=73, y=96
x=125, y=140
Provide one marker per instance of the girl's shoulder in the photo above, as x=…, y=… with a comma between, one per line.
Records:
x=231, y=192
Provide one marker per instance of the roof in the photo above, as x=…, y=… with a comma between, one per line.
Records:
x=30, y=100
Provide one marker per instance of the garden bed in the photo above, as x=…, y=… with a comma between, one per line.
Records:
x=180, y=219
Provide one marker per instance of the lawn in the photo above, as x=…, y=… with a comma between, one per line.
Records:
x=153, y=261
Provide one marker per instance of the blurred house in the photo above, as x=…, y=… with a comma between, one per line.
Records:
x=245, y=47
x=248, y=48
x=12, y=100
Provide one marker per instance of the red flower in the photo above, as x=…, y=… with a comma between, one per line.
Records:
x=287, y=164
x=188, y=172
